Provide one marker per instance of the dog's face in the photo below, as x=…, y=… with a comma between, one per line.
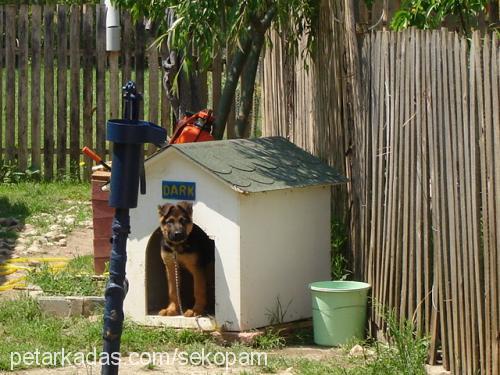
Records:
x=176, y=221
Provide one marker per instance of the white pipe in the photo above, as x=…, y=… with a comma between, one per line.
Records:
x=113, y=28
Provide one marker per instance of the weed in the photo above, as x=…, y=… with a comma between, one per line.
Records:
x=338, y=241
x=10, y=173
x=277, y=316
x=406, y=351
x=271, y=339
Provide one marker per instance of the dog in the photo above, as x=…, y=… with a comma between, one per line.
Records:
x=188, y=245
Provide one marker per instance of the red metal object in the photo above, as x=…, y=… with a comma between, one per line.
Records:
x=194, y=128
x=91, y=154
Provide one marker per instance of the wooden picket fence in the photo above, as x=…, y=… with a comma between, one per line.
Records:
x=431, y=149
x=58, y=85
x=425, y=175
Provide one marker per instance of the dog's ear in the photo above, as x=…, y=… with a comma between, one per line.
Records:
x=165, y=209
x=187, y=207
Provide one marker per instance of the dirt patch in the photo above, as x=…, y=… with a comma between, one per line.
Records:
x=142, y=369
x=78, y=242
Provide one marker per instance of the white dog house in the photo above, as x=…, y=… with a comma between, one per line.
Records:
x=266, y=204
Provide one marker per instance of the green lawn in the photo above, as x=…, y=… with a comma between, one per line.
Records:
x=37, y=202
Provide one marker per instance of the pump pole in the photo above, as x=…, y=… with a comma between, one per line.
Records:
x=128, y=135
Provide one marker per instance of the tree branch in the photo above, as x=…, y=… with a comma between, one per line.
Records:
x=240, y=58
x=248, y=86
x=171, y=68
x=234, y=72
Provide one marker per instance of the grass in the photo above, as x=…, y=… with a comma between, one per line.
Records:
x=24, y=328
x=75, y=279
x=406, y=351
x=39, y=203
x=271, y=339
x=338, y=241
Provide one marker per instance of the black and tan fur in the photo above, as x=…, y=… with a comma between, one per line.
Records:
x=194, y=252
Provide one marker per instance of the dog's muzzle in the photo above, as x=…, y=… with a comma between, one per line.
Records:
x=178, y=237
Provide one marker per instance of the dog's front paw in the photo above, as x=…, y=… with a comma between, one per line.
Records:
x=171, y=310
x=192, y=312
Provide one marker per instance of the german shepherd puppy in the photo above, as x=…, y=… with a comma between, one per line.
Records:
x=192, y=248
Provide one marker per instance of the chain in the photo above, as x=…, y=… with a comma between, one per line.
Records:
x=177, y=281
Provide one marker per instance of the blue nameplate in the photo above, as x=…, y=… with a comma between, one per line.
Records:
x=178, y=190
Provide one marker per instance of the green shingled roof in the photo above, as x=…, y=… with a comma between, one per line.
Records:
x=261, y=164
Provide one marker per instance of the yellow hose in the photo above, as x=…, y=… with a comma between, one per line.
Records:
x=27, y=260
x=8, y=272
x=11, y=266
x=13, y=283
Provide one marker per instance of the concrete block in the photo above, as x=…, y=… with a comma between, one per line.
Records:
x=60, y=307
x=56, y=306
x=91, y=305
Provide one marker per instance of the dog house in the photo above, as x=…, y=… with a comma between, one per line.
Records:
x=266, y=205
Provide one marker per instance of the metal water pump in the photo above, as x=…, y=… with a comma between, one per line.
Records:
x=128, y=136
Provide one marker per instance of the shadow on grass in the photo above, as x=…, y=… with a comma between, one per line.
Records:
x=18, y=211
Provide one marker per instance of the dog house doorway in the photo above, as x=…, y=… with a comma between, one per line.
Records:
x=157, y=284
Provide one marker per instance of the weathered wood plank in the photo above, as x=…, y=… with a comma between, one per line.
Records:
x=114, y=89
x=468, y=180
x=445, y=310
x=22, y=104
x=140, y=58
x=474, y=131
x=88, y=82
x=493, y=70
x=127, y=47
x=390, y=183
x=114, y=85
x=426, y=251
x=489, y=228
x=374, y=125
x=10, y=82
x=449, y=199
x=406, y=180
x=411, y=124
x=461, y=98
x=36, y=30
x=62, y=85
x=74, y=139
x=420, y=184
x=380, y=155
x=484, y=211
x=48, y=85
x=431, y=103
x=100, y=43
x=153, y=83
x=450, y=154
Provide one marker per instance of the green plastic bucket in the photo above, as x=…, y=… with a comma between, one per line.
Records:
x=339, y=311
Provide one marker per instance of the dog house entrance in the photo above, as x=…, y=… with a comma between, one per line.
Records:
x=157, y=284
